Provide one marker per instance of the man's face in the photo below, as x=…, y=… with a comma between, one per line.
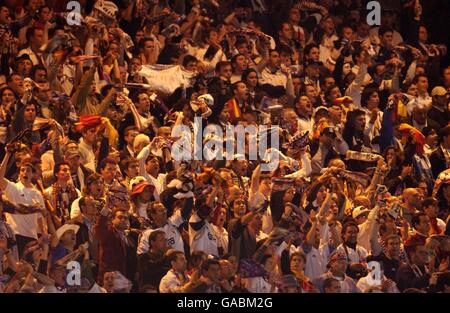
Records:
x=159, y=214
x=393, y=248
x=351, y=234
x=335, y=92
x=96, y=188
x=40, y=76
x=68, y=238
x=447, y=76
x=335, y=287
x=44, y=92
x=180, y=263
x=160, y=242
x=297, y=264
x=152, y=166
x=143, y=102
x=109, y=172
x=239, y=207
x=297, y=82
x=226, y=71
x=412, y=90
x=38, y=38
x=26, y=174
x=149, y=47
x=108, y=281
x=4, y=15
x=274, y=59
x=386, y=39
x=213, y=272
x=192, y=66
x=129, y=138
x=422, y=84
x=132, y=169
x=89, y=135
x=421, y=256
x=135, y=65
x=347, y=33
x=360, y=123
x=423, y=34
x=413, y=198
x=213, y=38
x=241, y=167
x=16, y=84
x=121, y=220
x=420, y=115
x=89, y=207
x=314, y=54
x=304, y=106
x=335, y=113
x=241, y=91
x=294, y=15
x=225, y=269
x=286, y=32
x=24, y=66
x=424, y=225
x=338, y=267
x=241, y=63
x=63, y=173
x=244, y=49
x=432, y=211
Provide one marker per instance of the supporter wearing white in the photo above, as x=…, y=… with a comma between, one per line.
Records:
x=201, y=232
x=22, y=193
x=175, y=278
x=353, y=252
x=149, y=168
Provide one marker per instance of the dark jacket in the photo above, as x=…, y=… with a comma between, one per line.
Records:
x=406, y=278
x=152, y=267
x=114, y=253
x=437, y=160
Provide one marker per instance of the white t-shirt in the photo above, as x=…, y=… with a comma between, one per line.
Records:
x=173, y=235
x=23, y=224
x=353, y=256
x=316, y=261
x=203, y=239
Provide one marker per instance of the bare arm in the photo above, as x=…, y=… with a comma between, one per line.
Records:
x=3, y=166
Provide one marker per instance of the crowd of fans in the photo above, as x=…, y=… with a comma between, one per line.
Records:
x=90, y=102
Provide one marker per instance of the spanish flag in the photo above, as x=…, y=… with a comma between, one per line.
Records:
x=235, y=111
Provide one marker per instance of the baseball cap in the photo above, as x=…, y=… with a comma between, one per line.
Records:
x=359, y=210
x=438, y=91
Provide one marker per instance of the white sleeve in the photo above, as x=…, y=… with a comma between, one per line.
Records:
x=176, y=219
x=143, y=245
x=75, y=208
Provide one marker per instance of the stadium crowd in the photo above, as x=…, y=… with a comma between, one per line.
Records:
x=94, y=197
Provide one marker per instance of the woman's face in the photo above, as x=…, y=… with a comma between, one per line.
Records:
x=360, y=122
x=270, y=265
x=252, y=80
x=30, y=113
x=390, y=156
x=239, y=207
x=222, y=217
x=289, y=194
x=7, y=98
x=297, y=264
x=374, y=101
x=321, y=194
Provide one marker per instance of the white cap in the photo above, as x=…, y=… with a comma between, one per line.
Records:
x=66, y=227
x=107, y=8
x=359, y=210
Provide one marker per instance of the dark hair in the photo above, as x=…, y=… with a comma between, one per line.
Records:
x=309, y=47
x=188, y=59
x=125, y=163
x=416, y=78
x=416, y=219
x=154, y=234
x=196, y=257
x=328, y=282
x=221, y=64
x=105, y=162
x=384, y=29
x=173, y=256
x=392, y=237
x=428, y=201
x=235, y=85
x=444, y=132
x=58, y=167
x=366, y=94
x=130, y=128
x=35, y=68
x=247, y=72
x=30, y=32
x=347, y=225
x=207, y=264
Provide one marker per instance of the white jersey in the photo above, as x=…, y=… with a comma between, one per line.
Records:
x=173, y=235
x=203, y=239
